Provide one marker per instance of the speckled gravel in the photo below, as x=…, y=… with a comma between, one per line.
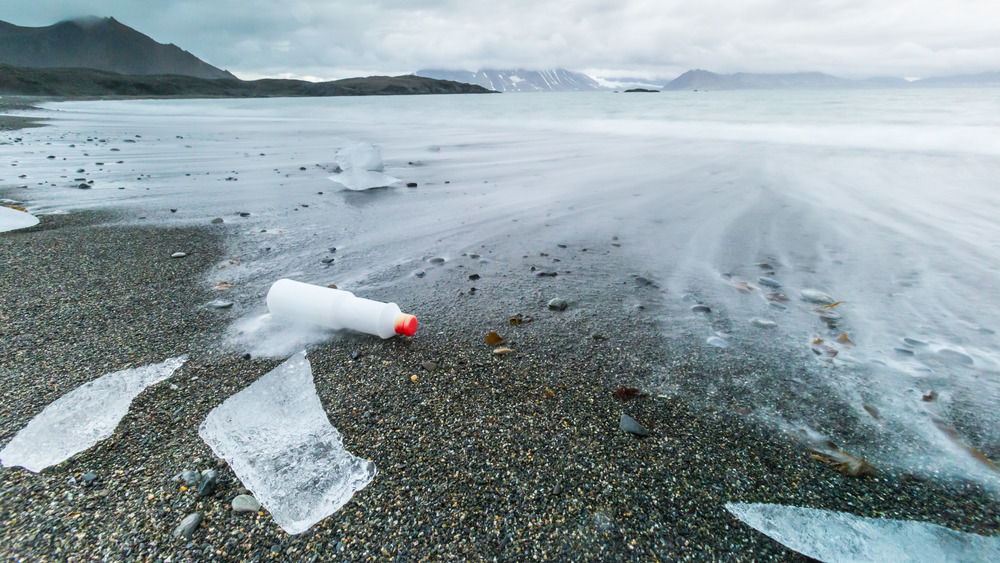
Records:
x=484, y=457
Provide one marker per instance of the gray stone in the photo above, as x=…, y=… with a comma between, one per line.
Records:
x=190, y=477
x=950, y=356
x=630, y=425
x=178, y=255
x=429, y=366
x=768, y=282
x=762, y=323
x=717, y=342
x=220, y=304
x=88, y=478
x=209, y=478
x=701, y=309
x=218, y=220
x=817, y=296
x=187, y=526
x=558, y=304
x=245, y=503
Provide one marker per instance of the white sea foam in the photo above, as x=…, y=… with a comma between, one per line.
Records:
x=278, y=441
x=81, y=418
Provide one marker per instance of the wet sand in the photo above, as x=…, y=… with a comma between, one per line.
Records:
x=483, y=457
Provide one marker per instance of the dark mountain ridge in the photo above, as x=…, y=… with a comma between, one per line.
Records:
x=84, y=82
x=98, y=43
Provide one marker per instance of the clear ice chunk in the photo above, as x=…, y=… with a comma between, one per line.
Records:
x=12, y=219
x=277, y=439
x=361, y=168
x=840, y=537
x=81, y=418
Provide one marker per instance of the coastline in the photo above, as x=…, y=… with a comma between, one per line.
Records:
x=484, y=457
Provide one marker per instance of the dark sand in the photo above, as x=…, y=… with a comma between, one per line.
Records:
x=484, y=458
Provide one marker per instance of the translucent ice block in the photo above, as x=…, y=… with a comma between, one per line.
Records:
x=362, y=167
x=277, y=439
x=81, y=418
x=840, y=537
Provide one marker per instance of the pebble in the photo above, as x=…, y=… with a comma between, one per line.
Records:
x=411, y=184
x=762, y=323
x=245, y=503
x=190, y=476
x=558, y=304
x=218, y=220
x=701, y=309
x=187, y=526
x=817, y=296
x=436, y=260
x=630, y=425
x=950, y=356
x=768, y=282
x=220, y=304
x=327, y=260
x=717, y=342
x=209, y=479
x=420, y=273
x=178, y=255
x=88, y=478
x=913, y=342
x=544, y=274
x=429, y=366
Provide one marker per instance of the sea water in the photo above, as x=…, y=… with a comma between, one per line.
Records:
x=886, y=201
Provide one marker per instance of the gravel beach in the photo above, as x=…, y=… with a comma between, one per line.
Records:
x=484, y=457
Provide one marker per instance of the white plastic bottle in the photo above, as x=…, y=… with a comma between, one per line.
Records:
x=337, y=309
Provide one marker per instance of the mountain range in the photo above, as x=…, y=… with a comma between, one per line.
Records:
x=704, y=80
x=101, y=44
x=518, y=79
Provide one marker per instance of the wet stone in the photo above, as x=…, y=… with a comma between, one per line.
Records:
x=178, y=255
x=188, y=525
x=558, y=304
x=630, y=425
x=701, y=309
x=245, y=503
x=220, y=304
x=209, y=479
x=717, y=342
x=769, y=282
x=762, y=323
x=217, y=220
x=950, y=356
x=817, y=296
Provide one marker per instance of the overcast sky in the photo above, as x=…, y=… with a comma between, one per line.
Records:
x=328, y=39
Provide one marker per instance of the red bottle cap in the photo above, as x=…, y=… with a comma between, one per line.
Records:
x=406, y=325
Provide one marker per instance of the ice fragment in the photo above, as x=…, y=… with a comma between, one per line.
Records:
x=81, y=418
x=277, y=439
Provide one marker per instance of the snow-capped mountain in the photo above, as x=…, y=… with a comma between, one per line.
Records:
x=518, y=80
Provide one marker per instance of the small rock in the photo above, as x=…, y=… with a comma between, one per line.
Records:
x=474, y=277
x=244, y=214
x=717, y=342
x=209, y=479
x=701, y=309
x=328, y=260
x=420, y=273
x=220, y=304
x=217, y=221
x=187, y=526
x=245, y=503
x=414, y=378
x=429, y=366
x=545, y=274
x=558, y=304
x=817, y=296
x=762, y=323
x=768, y=282
x=173, y=211
x=88, y=478
x=950, y=356
x=436, y=260
x=247, y=356
x=178, y=255
x=913, y=342
x=84, y=186
x=411, y=184
x=190, y=477
x=629, y=424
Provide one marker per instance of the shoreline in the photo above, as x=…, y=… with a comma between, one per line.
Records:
x=484, y=457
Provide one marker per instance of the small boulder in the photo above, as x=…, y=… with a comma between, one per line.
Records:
x=630, y=425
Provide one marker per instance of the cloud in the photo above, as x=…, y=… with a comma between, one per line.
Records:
x=328, y=38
